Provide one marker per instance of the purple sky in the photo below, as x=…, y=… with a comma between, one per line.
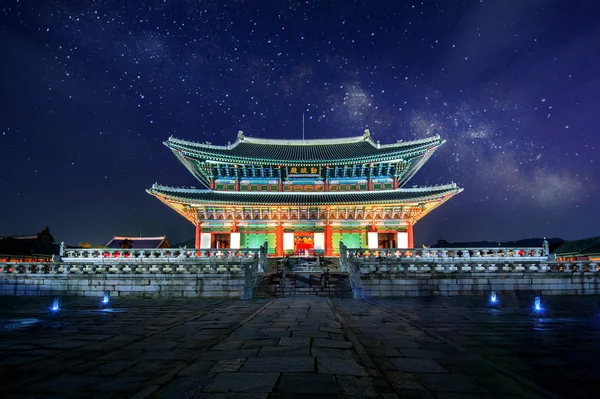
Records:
x=91, y=89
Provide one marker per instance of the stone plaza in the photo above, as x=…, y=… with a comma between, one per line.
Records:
x=299, y=347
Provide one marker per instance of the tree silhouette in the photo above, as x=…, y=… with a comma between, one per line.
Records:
x=45, y=236
x=442, y=243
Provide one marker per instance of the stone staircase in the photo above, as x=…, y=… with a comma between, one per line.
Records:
x=302, y=282
x=297, y=284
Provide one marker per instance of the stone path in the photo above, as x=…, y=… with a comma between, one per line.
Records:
x=557, y=349
x=285, y=348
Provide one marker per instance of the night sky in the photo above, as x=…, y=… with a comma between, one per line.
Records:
x=91, y=89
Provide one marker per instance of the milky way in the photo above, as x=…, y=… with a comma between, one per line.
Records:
x=90, y=89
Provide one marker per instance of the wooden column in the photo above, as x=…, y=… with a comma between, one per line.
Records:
x=212, y=183
x=279, y=240
x=409, y=231
x=280, y=183
x=198, y=234
x=237, y=179
x=328, y=239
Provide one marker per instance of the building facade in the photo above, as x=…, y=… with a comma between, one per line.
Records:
x=304, y=196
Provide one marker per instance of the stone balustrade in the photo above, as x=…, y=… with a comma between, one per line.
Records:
x=445, y=253
x=461, y=260
x=152, y=255
x=366, y=267
x=124, y=267
x=162, y=272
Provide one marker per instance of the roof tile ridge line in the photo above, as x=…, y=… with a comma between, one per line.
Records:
x=425, y=188
x=307, y=142
x=412, y=142
x=202, y=145
x=138, y=238
x=157, y=186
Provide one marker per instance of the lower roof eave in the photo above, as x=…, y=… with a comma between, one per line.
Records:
x=202, y=198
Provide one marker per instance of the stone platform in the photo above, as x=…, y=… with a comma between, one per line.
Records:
x=300, y=347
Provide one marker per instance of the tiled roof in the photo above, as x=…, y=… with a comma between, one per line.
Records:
x=208, y=197
x=580, y=247
x=138, y=242
x=26, y=246
x=270, y=151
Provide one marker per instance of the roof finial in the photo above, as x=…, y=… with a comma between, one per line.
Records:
x=240, y=135
x=367, y=134
x=303, y=126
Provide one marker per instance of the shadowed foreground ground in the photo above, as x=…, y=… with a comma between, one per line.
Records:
x=300, y=347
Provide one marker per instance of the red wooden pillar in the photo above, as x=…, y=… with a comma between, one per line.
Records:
x=370, y=185
x=395, y=183
x=328, y=239
x=212, y=183
x=279, y=240
x=198, y=234
x=409, y=231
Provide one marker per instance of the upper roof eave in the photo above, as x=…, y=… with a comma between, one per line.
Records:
x=221, y=153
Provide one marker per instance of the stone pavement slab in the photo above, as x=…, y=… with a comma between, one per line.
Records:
x=295, y=347
x=243, y=382
x=280, y=364
x=321, y=384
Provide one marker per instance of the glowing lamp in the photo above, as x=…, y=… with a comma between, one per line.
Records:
x=493, y=297
x=55, y=307
x=106, y=298
x=537, y=305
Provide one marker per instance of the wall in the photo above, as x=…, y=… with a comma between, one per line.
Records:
x=426, y=284
x=169, y=285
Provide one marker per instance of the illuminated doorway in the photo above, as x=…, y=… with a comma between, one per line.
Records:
x=386, y=240
x=304, y=243
x=220, y=240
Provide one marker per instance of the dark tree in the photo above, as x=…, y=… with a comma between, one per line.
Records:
x=126, y=243
x=45, y=236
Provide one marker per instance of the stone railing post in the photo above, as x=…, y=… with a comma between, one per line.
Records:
x=250, y=278
x=343, y=257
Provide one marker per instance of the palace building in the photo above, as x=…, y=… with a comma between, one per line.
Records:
x=304, y=196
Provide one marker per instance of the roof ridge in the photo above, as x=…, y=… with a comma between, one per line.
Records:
x=138, y=238
x=307, y=142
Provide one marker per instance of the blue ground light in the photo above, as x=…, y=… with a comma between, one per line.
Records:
x=537, y=305
x=106, y=298
x=493, y=298
x=55, y=308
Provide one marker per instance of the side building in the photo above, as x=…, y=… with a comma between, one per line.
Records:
x=304, y=196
